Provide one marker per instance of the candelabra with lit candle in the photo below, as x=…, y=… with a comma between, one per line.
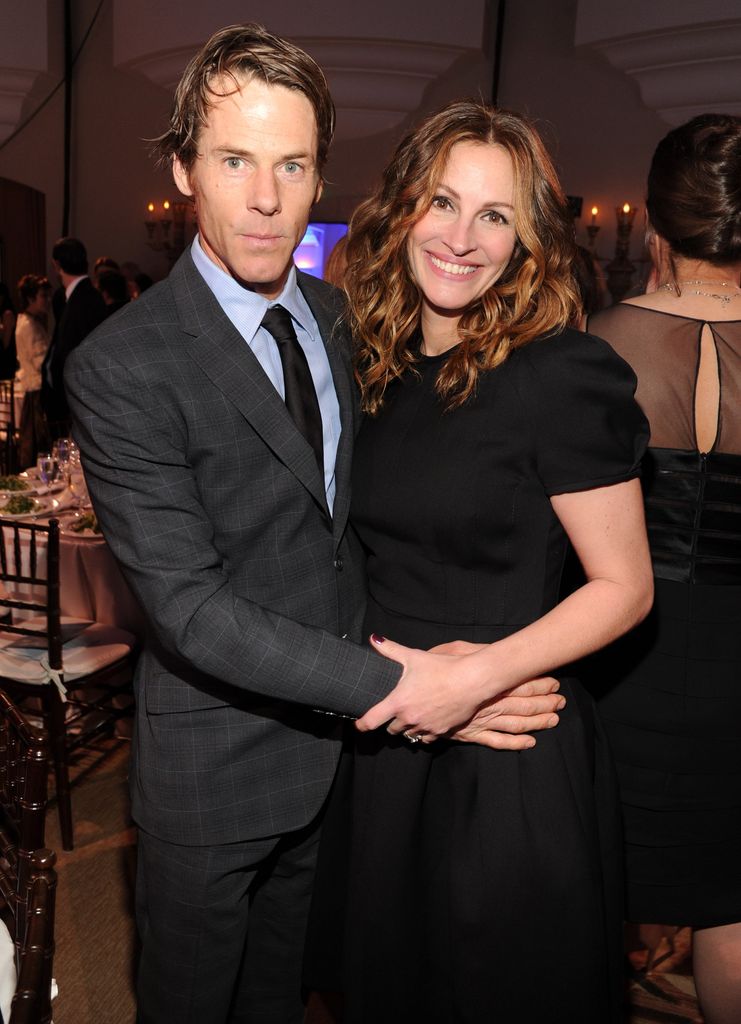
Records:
x=592, y=230
x=620, y=270
x=166, y=228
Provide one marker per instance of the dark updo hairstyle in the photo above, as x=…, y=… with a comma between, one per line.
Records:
x=694, y=189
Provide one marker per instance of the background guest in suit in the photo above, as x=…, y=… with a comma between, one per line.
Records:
x=83, y=310
x=102, y=264
x=32, y=342
x=216, y=417
x=113, y=287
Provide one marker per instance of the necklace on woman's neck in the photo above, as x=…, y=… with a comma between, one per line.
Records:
x=723, y=297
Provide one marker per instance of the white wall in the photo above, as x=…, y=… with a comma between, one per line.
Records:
x=592, y=115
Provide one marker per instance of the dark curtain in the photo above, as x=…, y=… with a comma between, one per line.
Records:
x=22, y=232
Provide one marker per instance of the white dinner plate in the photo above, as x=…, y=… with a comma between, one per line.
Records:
x=40, y=508
x=65, y=528
x=35, y=487
x=30, y=491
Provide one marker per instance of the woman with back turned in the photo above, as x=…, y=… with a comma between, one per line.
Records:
x=672, y=690
x=482, y=882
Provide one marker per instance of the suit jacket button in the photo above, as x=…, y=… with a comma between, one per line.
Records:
x=339, y=564
x=344, y=636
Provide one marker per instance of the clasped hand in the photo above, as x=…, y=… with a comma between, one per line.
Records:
x=449, y=692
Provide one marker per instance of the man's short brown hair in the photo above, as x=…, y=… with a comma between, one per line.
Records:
x=241, y=52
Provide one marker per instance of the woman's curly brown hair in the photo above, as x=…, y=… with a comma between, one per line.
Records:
x=535, y=295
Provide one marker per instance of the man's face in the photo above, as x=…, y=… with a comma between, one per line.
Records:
x=254, y=181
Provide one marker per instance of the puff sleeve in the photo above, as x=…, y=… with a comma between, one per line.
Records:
x=587, y=428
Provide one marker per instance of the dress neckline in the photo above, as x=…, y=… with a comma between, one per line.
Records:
x=676, y=316
x=434, y=360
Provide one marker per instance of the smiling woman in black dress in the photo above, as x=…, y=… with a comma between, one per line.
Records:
x=483, y=883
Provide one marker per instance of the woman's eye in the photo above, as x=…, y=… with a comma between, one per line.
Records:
x=441, y=203
x=495, y=217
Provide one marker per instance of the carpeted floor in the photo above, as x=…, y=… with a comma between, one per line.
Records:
x=95, y=934
x=96, y=938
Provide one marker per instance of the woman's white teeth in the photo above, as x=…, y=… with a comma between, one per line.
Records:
x=451, y=268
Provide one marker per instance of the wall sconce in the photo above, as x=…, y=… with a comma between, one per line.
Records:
x=620, y=270
x=165, y=224
x=592, y=230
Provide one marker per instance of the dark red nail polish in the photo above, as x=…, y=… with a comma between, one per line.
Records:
x=377, y=639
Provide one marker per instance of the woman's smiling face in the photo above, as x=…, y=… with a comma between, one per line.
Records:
x=465, y=240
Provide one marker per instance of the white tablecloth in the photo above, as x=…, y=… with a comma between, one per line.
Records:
x=91, y=584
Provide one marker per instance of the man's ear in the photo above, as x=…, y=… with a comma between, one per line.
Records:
x=181, y=178
x=319, y=190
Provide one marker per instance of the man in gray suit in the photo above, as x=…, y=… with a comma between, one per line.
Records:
x=216, y=417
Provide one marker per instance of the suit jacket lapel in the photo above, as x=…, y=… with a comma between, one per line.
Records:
x=221, y=352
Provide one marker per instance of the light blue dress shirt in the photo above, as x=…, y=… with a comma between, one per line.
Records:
x=246, y=309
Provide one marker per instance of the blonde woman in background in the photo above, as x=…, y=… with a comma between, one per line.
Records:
x=32, y=336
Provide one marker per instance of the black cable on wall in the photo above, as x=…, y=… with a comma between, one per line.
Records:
x=501, y=6
x=68, y=65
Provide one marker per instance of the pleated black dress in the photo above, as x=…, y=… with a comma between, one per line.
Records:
x=483, y=885
x=670, y=693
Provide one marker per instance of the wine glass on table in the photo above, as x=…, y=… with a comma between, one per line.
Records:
x=62, y=452
x=47, y=468
x=76, y=478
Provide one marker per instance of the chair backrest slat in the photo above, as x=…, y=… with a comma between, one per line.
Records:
x=32, y=558
x=54, y=617
x=18, y=565
x=19, y=543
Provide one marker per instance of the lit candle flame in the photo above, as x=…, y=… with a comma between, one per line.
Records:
x=166, y=204
x=626, y=207
x=150, y=207
x=595, y=211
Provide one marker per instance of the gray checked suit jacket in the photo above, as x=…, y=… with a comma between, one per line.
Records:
x=213, y=504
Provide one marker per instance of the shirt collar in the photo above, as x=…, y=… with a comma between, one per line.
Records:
x=244, y=306
x=73, y=284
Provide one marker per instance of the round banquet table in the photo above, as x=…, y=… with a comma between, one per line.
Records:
x=92, y=586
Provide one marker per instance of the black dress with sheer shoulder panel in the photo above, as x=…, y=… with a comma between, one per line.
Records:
x=670, y=693
x=483, y=885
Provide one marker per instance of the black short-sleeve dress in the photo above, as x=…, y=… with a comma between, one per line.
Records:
x=483, y=885
x=669, y=693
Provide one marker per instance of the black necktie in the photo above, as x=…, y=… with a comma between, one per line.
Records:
x=301, y=400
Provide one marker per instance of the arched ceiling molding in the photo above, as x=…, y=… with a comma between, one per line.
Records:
x=683, y=69
x=23, y=56
x=375, y=83
x=15, y=85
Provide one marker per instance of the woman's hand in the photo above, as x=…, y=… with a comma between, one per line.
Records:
x=437, y=693
x=457, y=647
x=502, y=723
